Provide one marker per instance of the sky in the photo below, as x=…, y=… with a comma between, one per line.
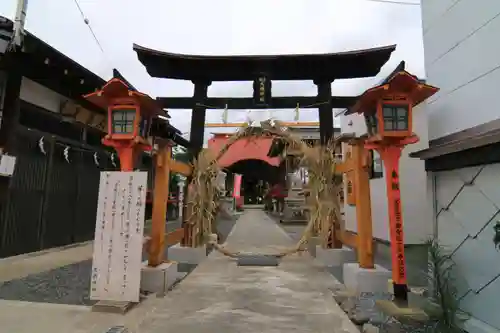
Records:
x=226, y=27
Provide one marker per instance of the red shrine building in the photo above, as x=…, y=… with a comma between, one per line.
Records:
x=252, y=159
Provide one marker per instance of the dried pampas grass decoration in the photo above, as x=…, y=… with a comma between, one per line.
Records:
x=323, y=185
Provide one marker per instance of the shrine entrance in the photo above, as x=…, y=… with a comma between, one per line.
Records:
x=322, y=69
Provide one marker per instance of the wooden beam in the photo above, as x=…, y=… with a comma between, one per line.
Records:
x=161, y=186
x=239, y=103
x=284, y=123
x=171, y=238
x=350, y=239
x=174, y=237
x=180, y=167
x=363, y=207
x=344, y=167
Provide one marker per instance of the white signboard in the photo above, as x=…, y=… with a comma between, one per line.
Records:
x=116, y=267
x=7, y=165
x=181, y=198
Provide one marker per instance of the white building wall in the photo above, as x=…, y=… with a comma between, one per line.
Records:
x=417, y=204
x=462, y=58
x=466, y=216
x=463, y=61
x=36, y=94
x=41, y=96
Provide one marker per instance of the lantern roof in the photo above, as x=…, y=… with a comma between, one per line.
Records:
x=116, y=88
x=401, y=82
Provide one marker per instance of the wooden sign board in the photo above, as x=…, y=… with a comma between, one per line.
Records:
x=117, y=259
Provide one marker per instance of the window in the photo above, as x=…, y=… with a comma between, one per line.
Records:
x=377, y=168
x=395, y=117
x=3, y=82
x=145, y=127
x=371, y=123
x=123, y=121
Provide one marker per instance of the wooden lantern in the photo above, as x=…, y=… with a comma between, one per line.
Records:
x=130, y=116
x=388, y=108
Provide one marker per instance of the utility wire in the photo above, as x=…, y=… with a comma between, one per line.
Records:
x=87, y=23
x=396, y=2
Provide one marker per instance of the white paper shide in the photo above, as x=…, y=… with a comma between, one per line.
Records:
x=116, y=268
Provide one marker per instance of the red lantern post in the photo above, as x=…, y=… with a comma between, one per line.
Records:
x=387, y=109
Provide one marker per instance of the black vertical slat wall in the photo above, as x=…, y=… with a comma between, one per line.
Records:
x=20, y=215
x=51, y=201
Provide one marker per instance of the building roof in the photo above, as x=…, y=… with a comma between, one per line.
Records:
x=468, y=139
x=342, y=65
x=243, y=149
x=54, y=70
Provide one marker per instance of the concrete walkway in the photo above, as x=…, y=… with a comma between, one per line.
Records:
x=221, y=297
x=218, y=296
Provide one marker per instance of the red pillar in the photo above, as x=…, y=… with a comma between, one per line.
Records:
x=390, y=155
x=127, y=156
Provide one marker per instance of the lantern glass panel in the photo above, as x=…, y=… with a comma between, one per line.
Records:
x=378, y=167
x=395, y=117
x=3, y=83
x=371, y=123
x=145, y=126
x=123, y=121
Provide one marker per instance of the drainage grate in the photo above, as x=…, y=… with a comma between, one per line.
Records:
x=257, y=260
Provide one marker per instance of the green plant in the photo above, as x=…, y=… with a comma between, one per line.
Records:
x=443, y=277
x=496, y=237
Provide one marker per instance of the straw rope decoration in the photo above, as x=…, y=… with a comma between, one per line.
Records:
x=324, y=187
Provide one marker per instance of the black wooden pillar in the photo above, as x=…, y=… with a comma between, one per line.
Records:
x=196, y=137
x=198, y=116
x=10, y=108
x=325, y=110
x=9, y=111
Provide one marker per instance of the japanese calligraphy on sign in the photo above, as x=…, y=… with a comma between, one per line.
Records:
x=398, y=240
x=116, y=267
x=262, y=90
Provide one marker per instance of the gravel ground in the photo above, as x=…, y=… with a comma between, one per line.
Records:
x=70, y=284
x=65, y=285
x=361, y=308
x=362, y=311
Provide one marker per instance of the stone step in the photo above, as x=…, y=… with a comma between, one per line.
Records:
x=257, y=260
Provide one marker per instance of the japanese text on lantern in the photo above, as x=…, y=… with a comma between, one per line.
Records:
x=116, y=266
x=398, y=226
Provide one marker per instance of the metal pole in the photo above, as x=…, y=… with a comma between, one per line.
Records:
x=22, y=7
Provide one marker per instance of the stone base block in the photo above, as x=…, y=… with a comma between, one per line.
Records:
x=334, y=257
x=364, y=279
x=112, y=307
x=187, y=255
x=158, y=279
x=311, y=245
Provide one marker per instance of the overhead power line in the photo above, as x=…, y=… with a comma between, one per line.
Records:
x=87, y=23
x=394, y=2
